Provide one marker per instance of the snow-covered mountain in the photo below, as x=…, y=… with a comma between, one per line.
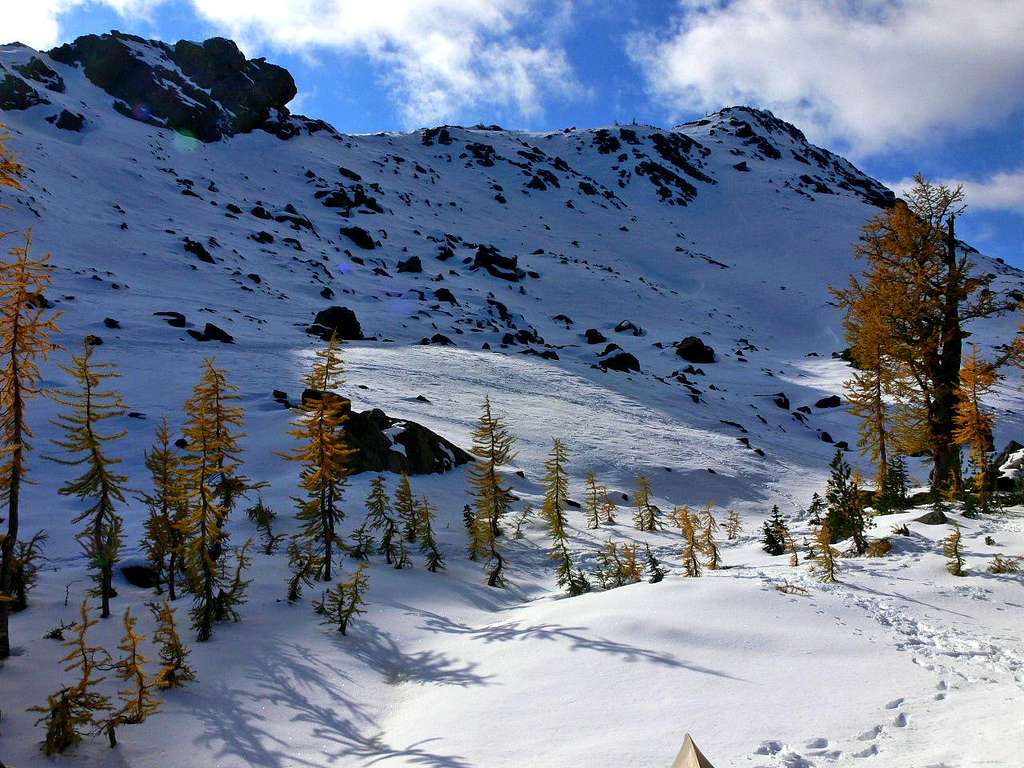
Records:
x=558, y=272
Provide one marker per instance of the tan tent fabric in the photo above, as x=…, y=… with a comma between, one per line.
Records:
x=691, y=757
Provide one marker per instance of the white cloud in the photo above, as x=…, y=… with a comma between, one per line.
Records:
x=440, y=59
x=1002, y=191
x=872, y=73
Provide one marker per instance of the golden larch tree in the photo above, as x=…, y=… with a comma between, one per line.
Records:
x=25, y=331
x=974, y=422
x=137, y=701
x=324, y=455
x=493, y=446
x=168, y=508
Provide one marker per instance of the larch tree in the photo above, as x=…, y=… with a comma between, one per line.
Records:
x=407, y=508
x=428, y=544
x=137, y=701
x=974, y=422
x=593, y=502
x=305, y=564
x=174, y=669
x=493, y=446
x=688, y=524
x=168, y=508
x=99, y=486
x=953, y=549
x=922, y=289
x=556, y=496
x=324, y=455
x=225, y=422
x=708, y=529
x=826, y=564
x=208, y=466
x=380, y=518
x=645, y=516
x=733, y=525
x=25, y=331
x=346, y=600
x=73, y=709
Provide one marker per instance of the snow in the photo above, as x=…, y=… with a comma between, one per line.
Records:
x=899, y=664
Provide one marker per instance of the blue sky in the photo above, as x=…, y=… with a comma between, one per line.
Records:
x=898, y=86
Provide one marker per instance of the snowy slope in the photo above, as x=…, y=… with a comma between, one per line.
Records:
x=634, y=223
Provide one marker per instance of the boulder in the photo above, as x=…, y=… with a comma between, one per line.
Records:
x=212, y=333
x=360, y=237
x=443, y=294
x=628, y=326
x=621, y=361
x=502, y=267
x=174, y=319
x=198, y=250
x=832, y=401
x=67, y=121
x=412, y=264
x=141, y=576
x=594, y=336
x=934, y=517
x=693, y=350
x=341, y=321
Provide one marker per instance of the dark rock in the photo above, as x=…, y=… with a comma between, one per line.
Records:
x=212, y=333
x=842, y=445
x=181, y=442
x=261, y=213
x=111, y=322
x=742, y=166
x=263, y=237
x=594, y=336
x=621, y=361
x=825, y=437
x=694, y=350
x=67, y=121
x=360, y=237
x=16, y=94
x=198, y=250
x=93, y=341
x=338, y=320
x=412, y=264
x=832, y=401
x=438, y=338
x=421, y=451
x=503, y=267
x=39, y=71
x=443, y=294
x=174, y=319
x=208, y=90
x=327, y=293
x=627, y=326
x=141, y=576
x=934, y=517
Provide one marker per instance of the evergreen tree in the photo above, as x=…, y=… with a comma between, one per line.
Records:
x=953, y=549
x=428, y=545
x=305, y=562
x=826, y=563
x=817, y=509
x=174, y=670
x=167, y=507
x=919, y=289
x=407, y=508
x=137, y=702
x=27, y=557
x=594, y=502
x=974, y=423
x=492, y=444
x=25, y=330
x=845, y=515
x=324, y=455
x=654, y=570
x=774, y=534
x=894, y=490
x=99, y=485
x=733, y=525
x=556, y=490
x=380, y=518
x=70, y=711
x=346, y=600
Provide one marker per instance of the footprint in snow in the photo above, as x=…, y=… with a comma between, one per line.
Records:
x=894, y=704
x=871, y=733
x=867, y=751
x=900, y=721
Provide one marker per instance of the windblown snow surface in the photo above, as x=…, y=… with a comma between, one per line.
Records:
x=898, y=664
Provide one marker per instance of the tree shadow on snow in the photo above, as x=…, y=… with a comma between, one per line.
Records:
x=295, y=685
x=574, y=636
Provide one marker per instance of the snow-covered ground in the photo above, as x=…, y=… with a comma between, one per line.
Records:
x=899, y=664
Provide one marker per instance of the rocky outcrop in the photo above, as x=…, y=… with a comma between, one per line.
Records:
x=208, y=90
x=693, y=350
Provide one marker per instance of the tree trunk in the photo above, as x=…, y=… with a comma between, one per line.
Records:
x=7, y=548
x=945, y=451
